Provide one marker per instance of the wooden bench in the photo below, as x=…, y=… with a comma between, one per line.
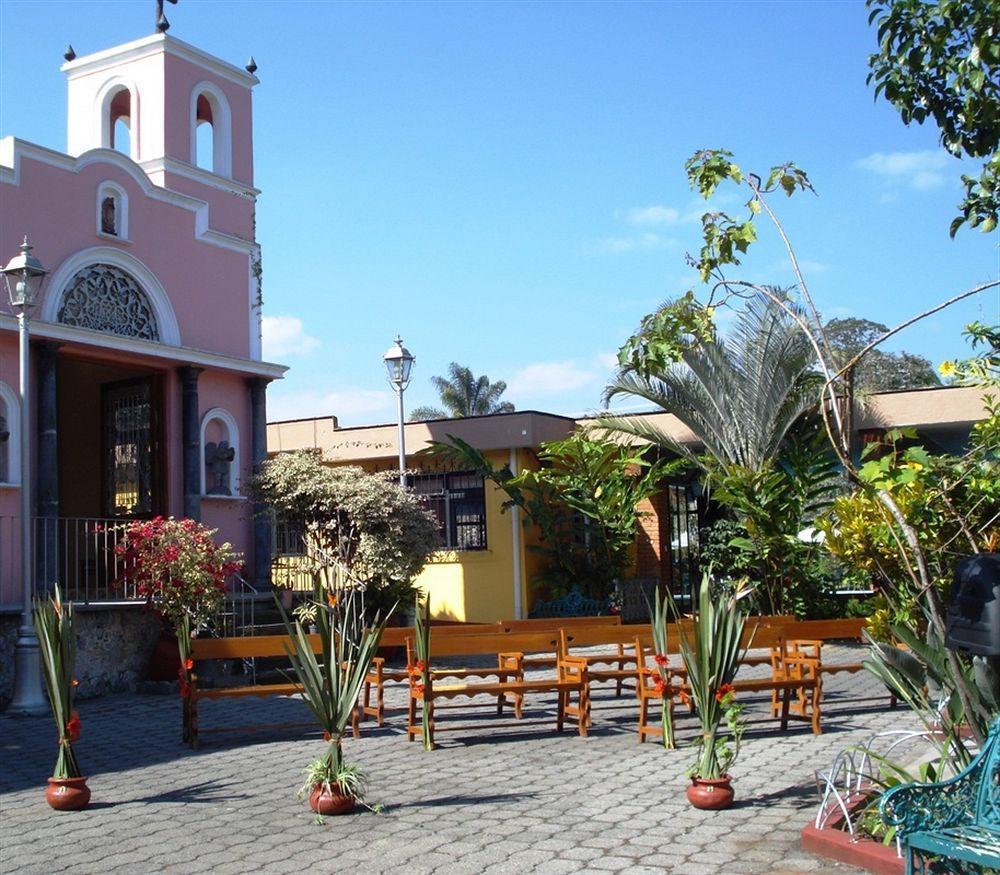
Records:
x=248, y=647
x=510, y=650
x=807, y=684
x=379, y=675
x=958, y=819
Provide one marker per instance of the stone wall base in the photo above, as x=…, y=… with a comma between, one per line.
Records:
x=112, y=649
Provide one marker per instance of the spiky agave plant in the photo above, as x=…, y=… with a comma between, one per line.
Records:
x=332, y=679
x=659, y=618
x=420, y=673
x=712, y=651
x=57, y=644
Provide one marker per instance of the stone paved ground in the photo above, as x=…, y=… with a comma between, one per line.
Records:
x=513, y=799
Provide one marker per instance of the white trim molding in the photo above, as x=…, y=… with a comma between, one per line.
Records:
x=173, y=355
x=166, y=321
x=220, y=414
x=12, y=402
x=13, y=150
x=222, y=128
x=156, y=44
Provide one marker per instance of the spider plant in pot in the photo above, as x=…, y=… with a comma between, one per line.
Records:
x=330, y=666
x=711, y=652
x=54, y=626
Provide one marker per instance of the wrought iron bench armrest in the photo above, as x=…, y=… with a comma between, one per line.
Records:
x=923, y=807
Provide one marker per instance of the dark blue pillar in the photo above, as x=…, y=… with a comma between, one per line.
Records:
x=47, y=457
x=262, y=534
x=190, y=436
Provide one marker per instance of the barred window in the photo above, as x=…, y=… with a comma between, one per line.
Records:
x=458, y=501
x=289, y=539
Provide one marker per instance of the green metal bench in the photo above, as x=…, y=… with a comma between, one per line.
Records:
x=573, y=604
x=957, y=820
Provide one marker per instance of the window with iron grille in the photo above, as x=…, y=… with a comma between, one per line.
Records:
x=289, y=539
x=458, y=501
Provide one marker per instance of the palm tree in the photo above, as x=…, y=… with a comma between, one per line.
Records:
x=464, y=394
x=740, y=395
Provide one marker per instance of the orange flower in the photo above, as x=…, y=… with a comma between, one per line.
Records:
x=684, y=697
x=724, y=691
x=419, y=689
x=73, y=727
x=660, y=685
x=417, y=668
x=661, y=660
x=332, y=600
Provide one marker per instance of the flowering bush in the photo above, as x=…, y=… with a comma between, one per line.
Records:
x=178, y=567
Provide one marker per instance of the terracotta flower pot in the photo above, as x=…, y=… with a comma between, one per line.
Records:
x=67, y=794
x=711, y=794
x=330, y=801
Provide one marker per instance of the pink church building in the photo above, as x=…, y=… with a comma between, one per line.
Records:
x=148, y=387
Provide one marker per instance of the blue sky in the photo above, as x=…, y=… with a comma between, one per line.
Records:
x=503, y=183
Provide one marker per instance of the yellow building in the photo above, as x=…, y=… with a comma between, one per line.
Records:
x=485, y=570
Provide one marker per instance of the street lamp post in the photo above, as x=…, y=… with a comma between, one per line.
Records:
x=398, y=362
x=24, y=275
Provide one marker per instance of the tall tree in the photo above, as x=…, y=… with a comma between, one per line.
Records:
x=878, y=371
x=464, y=394
x=741, y=395
x=941, y=60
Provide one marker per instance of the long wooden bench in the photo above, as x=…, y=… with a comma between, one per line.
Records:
x=248, y=647
x=379, y=675
x=510, y=650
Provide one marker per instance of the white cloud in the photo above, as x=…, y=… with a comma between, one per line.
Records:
x=655, y=214
x=917, y=170
x=550, y=378
x=285, y=336
x=350, y=406
x=634, y=243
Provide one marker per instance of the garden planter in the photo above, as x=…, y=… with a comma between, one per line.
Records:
x=328, y=800
x=711, y=794
x=67, y=794
x=835, y=843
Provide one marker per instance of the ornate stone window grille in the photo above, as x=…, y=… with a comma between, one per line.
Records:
x=102, y=297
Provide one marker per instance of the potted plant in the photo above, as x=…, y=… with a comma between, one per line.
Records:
x=180, y=569
x=67, y=789
x=711, y=652
x=331, y=681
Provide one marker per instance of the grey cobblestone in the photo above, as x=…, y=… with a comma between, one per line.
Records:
x=487, y=801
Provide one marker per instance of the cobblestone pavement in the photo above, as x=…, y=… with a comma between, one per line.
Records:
x=508, y=797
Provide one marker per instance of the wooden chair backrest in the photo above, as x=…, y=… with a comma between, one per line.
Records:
x=395, y=636
x=246, y=646
x=490, y=643
x=826, y=630
x=595, y=636
x=546, y=624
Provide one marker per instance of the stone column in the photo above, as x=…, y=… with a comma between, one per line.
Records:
x=190, y=437
x=262, y=534
x=47, y=459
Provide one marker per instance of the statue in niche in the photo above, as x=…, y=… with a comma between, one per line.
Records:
x=219, y=461
x=109, y=224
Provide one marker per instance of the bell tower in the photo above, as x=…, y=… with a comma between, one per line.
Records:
x=161, y=91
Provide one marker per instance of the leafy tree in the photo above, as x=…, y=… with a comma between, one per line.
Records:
x=584, y=499
x=357, y=526
x=878, y=371
x=741, y=395
x=941, y=60
x=464, y=394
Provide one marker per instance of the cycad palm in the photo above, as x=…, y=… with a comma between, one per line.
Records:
x=464, y=394
x=740, y=395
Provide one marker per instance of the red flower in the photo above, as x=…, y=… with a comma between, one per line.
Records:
x=189, y=663
x=417, y=668
x=327, y=736
x=419, y=688
x=661, y=660
x=684, y=697
x=73, y=727
x=660, y=685
x=724, y=691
